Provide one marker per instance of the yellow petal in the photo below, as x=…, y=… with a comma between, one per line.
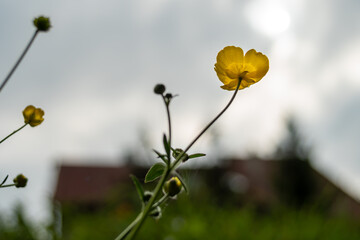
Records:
x=28, y=112
x=231, y=85
x=232, y=65
x=38, y=117
x=246, y=83
x=33, y=116
x=222, y=75
x=257, y=65
x=230, y=55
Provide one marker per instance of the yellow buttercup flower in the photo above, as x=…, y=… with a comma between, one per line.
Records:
x=231, y=65
x=33, y=116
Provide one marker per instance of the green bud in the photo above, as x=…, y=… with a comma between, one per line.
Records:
x=169, y=96
x=159, y=89
x=42, y=23
x=20, y=181
x=156, y=213
x=147, y=196
x=173, y=186
x=176, y=153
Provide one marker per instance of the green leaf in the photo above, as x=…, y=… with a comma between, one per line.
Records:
x=182, y=182
x=154, y=172
x=162, y=156
x=196, y=155
x=4, y=180
x=166, y=145
x=138, y=186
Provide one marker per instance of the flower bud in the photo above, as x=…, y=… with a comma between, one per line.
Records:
x=156, y=213
x=173, y=186
x=168, y=96
x=159, y=89
x=176, y=153
x=42, y=23
x=147, y=196
x=20, y=181
x=33, y=116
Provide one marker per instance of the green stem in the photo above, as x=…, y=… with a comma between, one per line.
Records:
x=19, y=60
x=8, y=185
x=149, y=205
x=13, y=133
x=207, y=126
x=161, y=201
x=169, y=124
x=128, y=229
x=168, y=170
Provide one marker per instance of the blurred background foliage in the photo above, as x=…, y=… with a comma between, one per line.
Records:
x=194, y=218
x=302, y=210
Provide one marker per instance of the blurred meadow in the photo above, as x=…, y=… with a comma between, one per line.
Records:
x=282, y=163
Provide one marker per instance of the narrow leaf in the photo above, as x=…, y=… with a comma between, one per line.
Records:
x=154, y=172
x=166, y=145
x=196, y=155
x=4, y=180
x=182, y=182
x=138, y=187
x=162, y=156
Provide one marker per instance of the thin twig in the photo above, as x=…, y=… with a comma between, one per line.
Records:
x=19, y=60
x=13, y=133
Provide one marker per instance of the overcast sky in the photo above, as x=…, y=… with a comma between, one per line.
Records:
x=93, y=73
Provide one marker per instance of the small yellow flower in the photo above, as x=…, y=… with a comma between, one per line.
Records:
x=33, y=116
x=231, y=65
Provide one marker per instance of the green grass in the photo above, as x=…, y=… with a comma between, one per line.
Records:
x=188, y=219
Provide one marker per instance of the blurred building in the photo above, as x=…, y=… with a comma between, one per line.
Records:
x=263, y=183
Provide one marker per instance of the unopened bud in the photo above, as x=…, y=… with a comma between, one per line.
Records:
x=168, y=96
x=20, y=181
x=173, y=186
x=156, y=213
x=147, y=196
x=176, y=153
x=42, y=23
x=159, y=89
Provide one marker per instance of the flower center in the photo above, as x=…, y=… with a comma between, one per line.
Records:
x=235, y=70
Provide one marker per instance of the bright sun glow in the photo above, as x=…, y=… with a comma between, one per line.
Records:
x=268, y=18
